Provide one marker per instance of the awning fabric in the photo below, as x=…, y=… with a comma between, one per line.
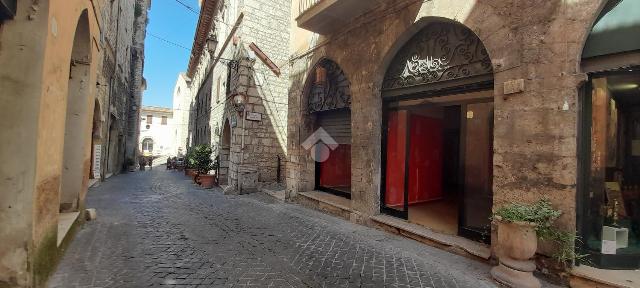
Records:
x=617, y=30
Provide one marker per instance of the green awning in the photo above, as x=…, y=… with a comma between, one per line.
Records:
x=617, y=30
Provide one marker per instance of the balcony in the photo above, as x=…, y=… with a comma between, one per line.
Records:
x=327, y=16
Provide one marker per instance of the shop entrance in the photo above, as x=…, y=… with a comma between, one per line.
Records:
x=611, y=174
x=437, y=142
x=439, y=162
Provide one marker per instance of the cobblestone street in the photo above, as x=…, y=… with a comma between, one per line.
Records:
x=155, y=228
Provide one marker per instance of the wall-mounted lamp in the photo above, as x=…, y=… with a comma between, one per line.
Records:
x=239, y=100
x=212, y=43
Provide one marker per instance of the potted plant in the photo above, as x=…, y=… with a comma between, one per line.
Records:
x=519, y=228
x=189, y=163
x=204, y=164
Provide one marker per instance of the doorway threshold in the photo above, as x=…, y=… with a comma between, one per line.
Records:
x=65, y=221
x=326, y=202
x=423, y=234
x=612, y=278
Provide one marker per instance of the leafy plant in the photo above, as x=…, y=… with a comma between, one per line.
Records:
x=202, y=159
x=542, y=214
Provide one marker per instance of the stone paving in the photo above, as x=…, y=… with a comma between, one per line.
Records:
x=156, y=229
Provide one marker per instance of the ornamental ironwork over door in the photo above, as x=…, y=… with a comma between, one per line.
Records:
x=439, y=52
x=329, y=89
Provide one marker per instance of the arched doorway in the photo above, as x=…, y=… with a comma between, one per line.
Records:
x=96, y=142
x=73, y=170
x=225, y=152
x=437, y=141
x=609, y=140
x=147, y=147
x=328, y=105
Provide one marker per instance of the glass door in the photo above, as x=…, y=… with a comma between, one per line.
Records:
x=477, y=200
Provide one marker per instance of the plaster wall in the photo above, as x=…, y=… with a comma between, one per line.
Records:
x=534, y=137
x=36, y=53
x=163, y=136
x=182, y=100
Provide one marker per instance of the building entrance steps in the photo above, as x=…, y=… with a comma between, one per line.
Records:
x=421, y=233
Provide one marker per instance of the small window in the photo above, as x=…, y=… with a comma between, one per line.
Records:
x=164, y=120
x=149, y=119
x=218, y=90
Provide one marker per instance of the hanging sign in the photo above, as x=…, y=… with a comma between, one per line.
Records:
x=97, y=155
x=254, y=116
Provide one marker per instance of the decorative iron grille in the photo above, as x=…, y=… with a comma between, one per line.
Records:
x=439, y=52
x=334, y=91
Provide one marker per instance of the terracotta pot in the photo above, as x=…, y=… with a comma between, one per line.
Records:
x=207, y=181
x=517, y=244
x=189, y=172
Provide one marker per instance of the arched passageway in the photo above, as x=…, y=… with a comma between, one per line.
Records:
x=225, y=152
x=96, y=142
x=73, y=170
x=437, y=139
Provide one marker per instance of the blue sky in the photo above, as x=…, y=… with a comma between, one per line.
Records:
x=170, y=20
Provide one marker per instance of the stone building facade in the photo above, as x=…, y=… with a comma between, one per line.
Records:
x=505, y=78
x=182, y=99
x=54, y=75
x=121, y=82
x=248, y=65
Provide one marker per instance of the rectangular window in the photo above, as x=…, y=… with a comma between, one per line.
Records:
x=164, y=120
x=149, y=119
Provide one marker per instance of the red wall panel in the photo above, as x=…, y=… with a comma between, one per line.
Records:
x=336, y=171
x=425, y=160
x=396, y=151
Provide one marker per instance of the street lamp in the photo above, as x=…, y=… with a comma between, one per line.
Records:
x=212, y=43
x=238, y=101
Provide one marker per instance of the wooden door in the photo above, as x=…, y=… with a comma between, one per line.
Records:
x=477, y=168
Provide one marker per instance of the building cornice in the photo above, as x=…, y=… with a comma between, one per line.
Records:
x=207, y=14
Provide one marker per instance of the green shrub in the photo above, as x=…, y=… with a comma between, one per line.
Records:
x=542, y=214
x=202, y=158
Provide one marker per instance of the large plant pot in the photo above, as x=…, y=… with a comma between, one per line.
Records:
x=207, y=181
x=517, y=244
x=189, y=172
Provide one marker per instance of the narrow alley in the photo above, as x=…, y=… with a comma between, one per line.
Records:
x=158, y=228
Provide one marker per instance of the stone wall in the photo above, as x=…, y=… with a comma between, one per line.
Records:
x=257, y=146
x=534, y=138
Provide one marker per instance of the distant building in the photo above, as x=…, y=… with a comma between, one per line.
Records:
x=157, y=132
x=182, y=100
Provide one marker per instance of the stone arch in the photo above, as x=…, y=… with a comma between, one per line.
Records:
x=439, y=52
x=96, y=137
x=77, y=115
x=418, y=26
x=147, y=144
x=326, y=103
x=224, y=153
